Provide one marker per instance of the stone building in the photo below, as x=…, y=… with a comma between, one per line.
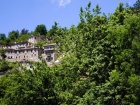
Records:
x=49, y=52
x=35, y=39
x=27, y=51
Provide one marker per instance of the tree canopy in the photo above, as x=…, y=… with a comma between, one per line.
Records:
x=41, y=29
x=13, y=35
x=2, y=36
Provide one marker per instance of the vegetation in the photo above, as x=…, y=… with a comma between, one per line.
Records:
x=23, y=37
x=13, y=35
x=4, y=66
x=41, y=30
x=2, y=54
x=2, y=36
x=100, y=65
x=136, y=7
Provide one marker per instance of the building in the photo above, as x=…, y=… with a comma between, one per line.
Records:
x=28, y=51
x=49, y=52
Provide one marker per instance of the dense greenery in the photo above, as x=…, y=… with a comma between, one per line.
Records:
x=136, y=7
x=41, y=30
x=2, y=36
x=23, y=35
x=100, y=65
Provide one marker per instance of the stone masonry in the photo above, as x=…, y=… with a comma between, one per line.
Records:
x=27, y=51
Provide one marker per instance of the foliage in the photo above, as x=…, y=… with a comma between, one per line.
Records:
x=13, y=35
x=40, y=44
x=2, y=36
x=5, y=66
x=23, y=37
x=52, y=32
x=30, y=87
x=99, y=64
x=136, y=7
x=41, y=29
x=24, y=31
x=2, y=53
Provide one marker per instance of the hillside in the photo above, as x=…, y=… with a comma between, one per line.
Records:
x=100, y=64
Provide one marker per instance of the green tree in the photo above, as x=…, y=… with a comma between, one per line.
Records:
x=13, y=35
x=24, y=31
x=136, y=7
x=23, y=37
x=104, y=47
x=2, y=53
x=34, y=87
x=52, y=32
x=41, y=29
x=4, y=65
x=2, y=36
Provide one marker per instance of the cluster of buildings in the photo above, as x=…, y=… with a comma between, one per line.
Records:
x=28, y=51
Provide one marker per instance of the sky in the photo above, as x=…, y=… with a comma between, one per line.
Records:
x=20, y=14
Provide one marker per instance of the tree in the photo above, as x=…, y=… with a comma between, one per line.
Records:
x=4, y=66
x=52, y=32
x=13, y=35
x=106, y=52
x=136, y=7
x=41, y=30
x=2, y=53
x=23, y=37
x=24, y=31
x=2, y=36
x=34, y=87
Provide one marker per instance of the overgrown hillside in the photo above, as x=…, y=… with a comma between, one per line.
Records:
x=100, y=64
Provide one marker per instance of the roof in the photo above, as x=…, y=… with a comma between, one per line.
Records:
x=36, y=36
x=28, y=48
x=9, y=49
x=53, y=44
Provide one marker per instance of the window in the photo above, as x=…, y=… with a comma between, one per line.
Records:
x=46, y=52
x=46, y=47
x=49, y=58
x=51, y=51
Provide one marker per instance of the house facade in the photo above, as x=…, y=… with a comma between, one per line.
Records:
x=27, y=51
x=49, y=52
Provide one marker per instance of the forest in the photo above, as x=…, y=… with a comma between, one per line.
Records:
x=100, y=63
